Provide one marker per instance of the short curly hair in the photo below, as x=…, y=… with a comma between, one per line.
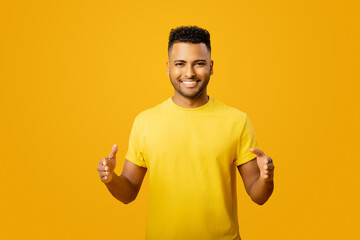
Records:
x=189, y=34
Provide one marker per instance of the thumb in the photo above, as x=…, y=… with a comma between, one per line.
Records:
x=258, y=152
x=113, y=151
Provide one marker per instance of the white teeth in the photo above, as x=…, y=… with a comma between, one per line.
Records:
x=189, y=82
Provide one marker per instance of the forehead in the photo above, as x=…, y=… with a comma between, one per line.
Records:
x=184, y=51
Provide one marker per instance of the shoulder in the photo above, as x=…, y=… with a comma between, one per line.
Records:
x=229, y=111
x=152, y=112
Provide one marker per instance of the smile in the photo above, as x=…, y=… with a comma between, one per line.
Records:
x=190, y=83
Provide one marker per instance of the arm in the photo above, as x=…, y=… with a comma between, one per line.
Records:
x=257, y=176
x=125, y=187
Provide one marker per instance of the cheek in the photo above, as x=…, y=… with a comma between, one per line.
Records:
x=204, y=72
x=175, y=73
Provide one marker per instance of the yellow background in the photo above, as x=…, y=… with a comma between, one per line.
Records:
x=74, y=74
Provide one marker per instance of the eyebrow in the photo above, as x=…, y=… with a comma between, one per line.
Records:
x=197, y=60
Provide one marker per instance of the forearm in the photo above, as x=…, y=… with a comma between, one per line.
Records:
x=121, y=188
x=261, y=190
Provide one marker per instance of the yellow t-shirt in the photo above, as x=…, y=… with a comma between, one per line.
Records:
x=191, y=155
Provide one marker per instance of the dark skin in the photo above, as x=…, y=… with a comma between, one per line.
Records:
x=189, y=68
x=125, y=187
x=258, y=181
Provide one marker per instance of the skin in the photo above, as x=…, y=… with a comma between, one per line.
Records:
x=126, y=186
x=188, y=62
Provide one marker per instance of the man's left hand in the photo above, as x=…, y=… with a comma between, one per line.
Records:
x=265, y=164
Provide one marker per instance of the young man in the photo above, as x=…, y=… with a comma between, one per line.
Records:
x=192, y=145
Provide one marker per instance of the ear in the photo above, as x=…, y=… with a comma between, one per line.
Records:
x=167, y=69
x=211, y=67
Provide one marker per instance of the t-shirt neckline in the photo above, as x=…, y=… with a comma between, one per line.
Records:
x=174, y=105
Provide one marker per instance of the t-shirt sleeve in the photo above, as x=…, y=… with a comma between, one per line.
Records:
x=135, y=152
x=246, y=141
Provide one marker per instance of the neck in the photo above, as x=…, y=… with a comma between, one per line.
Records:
x=185, y=102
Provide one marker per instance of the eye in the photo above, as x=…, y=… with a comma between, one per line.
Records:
x=200, y=63
x=179, y=64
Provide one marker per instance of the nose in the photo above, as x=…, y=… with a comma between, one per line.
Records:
x=189, y=72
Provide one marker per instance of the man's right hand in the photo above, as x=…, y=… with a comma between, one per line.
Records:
x=107, y=165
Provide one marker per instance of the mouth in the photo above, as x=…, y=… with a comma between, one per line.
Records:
x=189, y=84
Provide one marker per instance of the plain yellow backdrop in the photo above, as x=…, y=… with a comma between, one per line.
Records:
x=74, y=74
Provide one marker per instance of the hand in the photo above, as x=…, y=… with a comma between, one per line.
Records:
x=265, y=164
x=107, y=165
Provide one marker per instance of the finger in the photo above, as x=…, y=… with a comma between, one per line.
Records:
x=104, y=178
x=268, y=176
x=102, y=161
x=270, y=166
x=267, y=172
x=258, y=152
x=102, y=168
x=103, y=174
x=113, y=151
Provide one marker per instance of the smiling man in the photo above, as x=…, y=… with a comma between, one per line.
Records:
x=192, y=145
x=189, y=68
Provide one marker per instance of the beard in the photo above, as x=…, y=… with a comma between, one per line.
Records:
x=191, y=95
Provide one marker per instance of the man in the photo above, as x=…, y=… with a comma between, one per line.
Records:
x=191, y=144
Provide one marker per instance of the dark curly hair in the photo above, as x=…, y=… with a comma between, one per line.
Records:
x=189, y=34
